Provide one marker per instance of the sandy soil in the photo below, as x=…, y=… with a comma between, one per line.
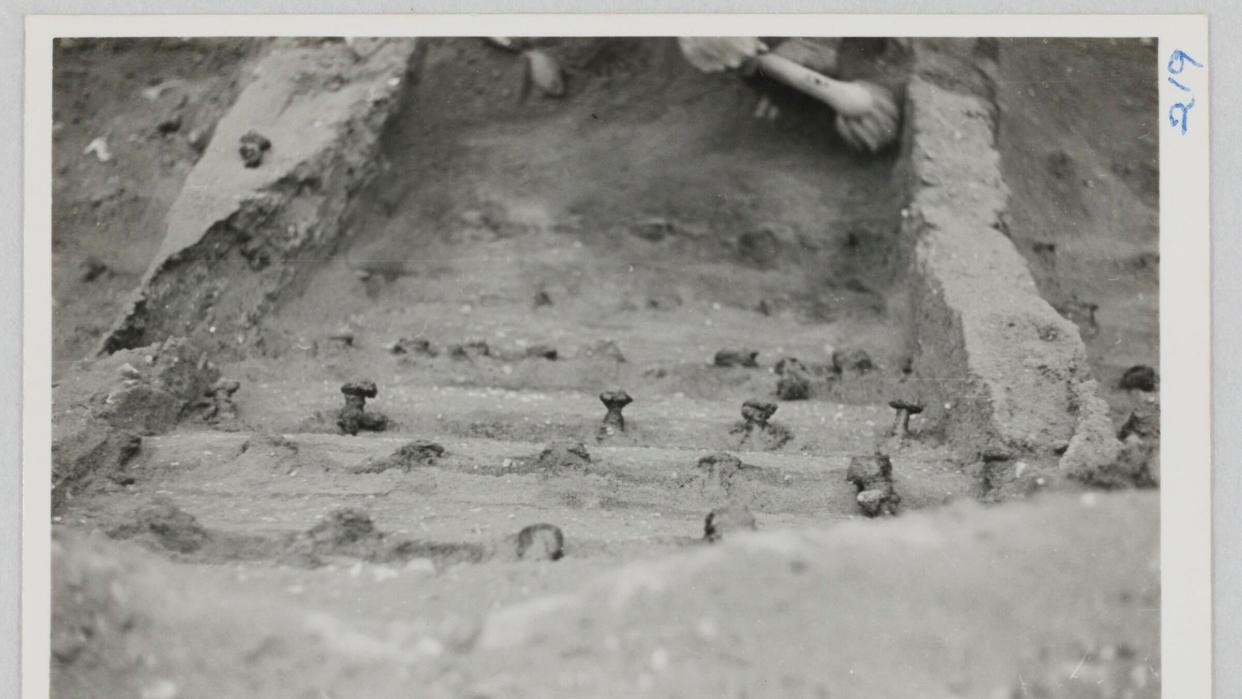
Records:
x=634, y=226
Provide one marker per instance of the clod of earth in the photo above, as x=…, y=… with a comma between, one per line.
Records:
x=406, y=457
x=345, y=336
x=161, y=523
x=795, y=380
x=350, y=532
x=470, y=350
x=253, y=147
x=736, y=357
x=413, y=346
x=613, y=422
x=559, y=457
x=541, y=352
x=93, y=268
x=717, y=473
x=541, y=542
x=343, y=527
x=758, y=412
x=1139, y=378
x=873, y=477
x=1143, y=425
x=905, y=408
x=218, y=403
x=354, y=417
x=654, y=229
x=727, y=519
x=755, y=425
x=542, y=298
x=854, y=360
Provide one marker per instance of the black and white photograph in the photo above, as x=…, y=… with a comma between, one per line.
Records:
x=620, y=365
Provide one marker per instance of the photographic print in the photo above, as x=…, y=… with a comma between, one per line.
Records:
x=631, y=364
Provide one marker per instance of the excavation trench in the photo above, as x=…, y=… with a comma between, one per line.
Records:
x=515, y=255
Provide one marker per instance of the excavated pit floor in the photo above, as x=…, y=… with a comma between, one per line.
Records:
x=636, y=225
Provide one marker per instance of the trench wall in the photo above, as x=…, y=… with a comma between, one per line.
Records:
x=238, y=237
x=1001, y=372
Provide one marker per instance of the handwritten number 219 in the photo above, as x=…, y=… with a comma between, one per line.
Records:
x=1179, y=112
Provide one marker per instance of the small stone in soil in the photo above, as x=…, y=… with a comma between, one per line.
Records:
x=878, y=501
x=416, y=346
x=873, y=477
x=541, y=542
x=470, y=350
x=1139, y=377
x=169, y=124
x=727, y=519
x=252, y=148
x=867, y=472
x=855, y=360
x=541, y=352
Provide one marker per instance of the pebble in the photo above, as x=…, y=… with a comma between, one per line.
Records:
x=99, y=147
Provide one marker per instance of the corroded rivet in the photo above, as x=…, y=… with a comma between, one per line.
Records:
x=354, y=417
x=905, y=408
x=614, y=401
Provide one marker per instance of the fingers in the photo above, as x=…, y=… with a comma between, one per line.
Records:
x=714, y=54
x=867, y=133
x=845, y=129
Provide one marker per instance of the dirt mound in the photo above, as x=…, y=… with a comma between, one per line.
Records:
x=161, y=524
x=101, y=408
x=406, y=457
x=690, y=626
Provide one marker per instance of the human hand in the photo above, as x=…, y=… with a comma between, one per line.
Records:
x=712, y=54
